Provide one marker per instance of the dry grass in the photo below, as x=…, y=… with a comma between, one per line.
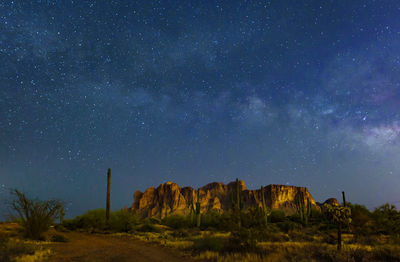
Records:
x=39, y=255
x=301, y=250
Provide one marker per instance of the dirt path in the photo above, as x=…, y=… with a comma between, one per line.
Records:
x=87, y=247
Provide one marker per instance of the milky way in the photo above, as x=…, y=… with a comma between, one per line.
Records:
x=291, y=92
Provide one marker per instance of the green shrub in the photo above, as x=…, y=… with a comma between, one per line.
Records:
x=269, y=235
x=243, y=240
x=59, y=238
x=95, y=220
x=147, y=227
x=277, y=216
x=180, y=233
x=123, y=221
x=92, y=220
x=287, y=226
x=212, y=219
x=386, y=253
x=209, y=243
x=387, y=220
x=299, y=236
x=176, y=221
x=60, y=228
x=10, y=249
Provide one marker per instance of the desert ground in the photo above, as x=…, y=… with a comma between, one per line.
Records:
x=84, y=247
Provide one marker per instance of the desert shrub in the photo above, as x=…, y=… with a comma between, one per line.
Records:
x=387, y=220
x=329, y=238
x=95, y=220
x=147, y=227
x=277, y=216
x=58, y=238
x=208, y=243
x=299, y=236
x=254, y=218
x=287, y=226
x=60, y=228
x=123, y=221
x=180, y=233
x=272, y=236
x=10, y=249
x=386, y=253
x=361, y=223
x=212, y=219
x=176, y=221
x=34, y=215
x=152, y=220
x=243, y=240
x=92, y=220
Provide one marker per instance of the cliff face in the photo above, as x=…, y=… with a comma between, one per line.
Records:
x=169, y=198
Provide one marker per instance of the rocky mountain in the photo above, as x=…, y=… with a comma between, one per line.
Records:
x=169, y=198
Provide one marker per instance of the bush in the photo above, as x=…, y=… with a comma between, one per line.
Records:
x=387, y=220
x=212, y=219
x=386, y=253
x=277, y=216
x=361, y=223
x=123, y=221
x=10, y=249
x=208, y=243
x=95, y=220
x=92, y=220
x=243, y=240
x=176, y=221
x=147, y=227
x=271, y=236
x=287, y=226
x=300, y=236
x=59, y=238
x=35, y=216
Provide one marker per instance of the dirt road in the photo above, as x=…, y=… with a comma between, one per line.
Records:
x=92, y=247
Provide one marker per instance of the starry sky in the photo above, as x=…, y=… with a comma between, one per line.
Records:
x=301, y=93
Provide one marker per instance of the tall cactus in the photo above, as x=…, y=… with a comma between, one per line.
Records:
x=266, y=212
x=237, y=194
x=303, y=207
x=344, y=198
x=239, y=204
x=198, y=214
x=108, y=195
x=192, y=212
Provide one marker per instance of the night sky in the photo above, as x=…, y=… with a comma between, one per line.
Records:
x=301, y=93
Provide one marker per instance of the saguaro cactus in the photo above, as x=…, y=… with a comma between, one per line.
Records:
x=192, y=212
x=198, y=214
x=108, y=195
x=264, y=207
x=303, y=207
x=344, y=199
x=239, y=204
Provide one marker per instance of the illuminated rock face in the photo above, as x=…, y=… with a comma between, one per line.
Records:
x=169, y=198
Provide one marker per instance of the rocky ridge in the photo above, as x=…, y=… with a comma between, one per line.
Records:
x=169, y=198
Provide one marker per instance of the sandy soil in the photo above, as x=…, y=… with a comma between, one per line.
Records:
x=95, y=247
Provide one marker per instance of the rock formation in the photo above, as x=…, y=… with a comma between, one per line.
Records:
x=169, y=198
